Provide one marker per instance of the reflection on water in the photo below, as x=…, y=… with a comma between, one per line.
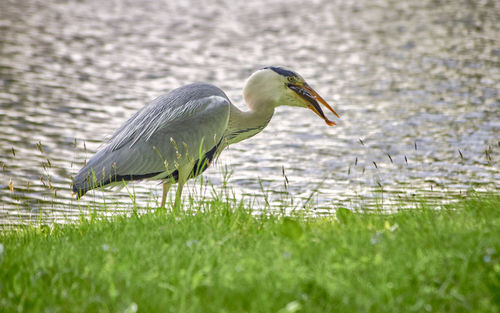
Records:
x=417, y=86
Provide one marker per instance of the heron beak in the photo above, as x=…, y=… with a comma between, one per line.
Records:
x=312, y=98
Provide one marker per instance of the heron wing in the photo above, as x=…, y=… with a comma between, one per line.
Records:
x=181, y=141
x=175, y=106
x=167, y=133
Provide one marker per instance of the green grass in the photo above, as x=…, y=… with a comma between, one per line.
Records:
x=227, y=259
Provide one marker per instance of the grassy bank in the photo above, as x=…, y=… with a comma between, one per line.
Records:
x=228, y=260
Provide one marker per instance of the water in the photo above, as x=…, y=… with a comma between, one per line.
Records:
x=417, y=85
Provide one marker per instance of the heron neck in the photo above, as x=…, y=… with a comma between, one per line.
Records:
x=245, y=124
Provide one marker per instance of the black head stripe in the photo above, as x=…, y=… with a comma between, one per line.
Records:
x=282, y=71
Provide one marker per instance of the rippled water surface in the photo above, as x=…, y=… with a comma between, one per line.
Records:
x=417, y=85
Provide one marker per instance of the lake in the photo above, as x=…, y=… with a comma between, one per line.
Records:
x=416, y=83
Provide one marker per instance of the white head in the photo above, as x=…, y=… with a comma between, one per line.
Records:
x=275, y=86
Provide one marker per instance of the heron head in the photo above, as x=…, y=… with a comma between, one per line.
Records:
x=283, y=86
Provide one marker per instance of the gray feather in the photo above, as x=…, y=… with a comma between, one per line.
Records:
x=169, y=132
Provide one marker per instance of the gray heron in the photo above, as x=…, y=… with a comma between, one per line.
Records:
x=177, y=135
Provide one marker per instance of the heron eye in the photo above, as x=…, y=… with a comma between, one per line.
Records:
x=291, y=79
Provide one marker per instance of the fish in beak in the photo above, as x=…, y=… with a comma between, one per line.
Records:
x=312, y=97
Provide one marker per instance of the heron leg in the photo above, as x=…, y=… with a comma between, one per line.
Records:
x=178, y=194
x=182, y=178
x=166, y=187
